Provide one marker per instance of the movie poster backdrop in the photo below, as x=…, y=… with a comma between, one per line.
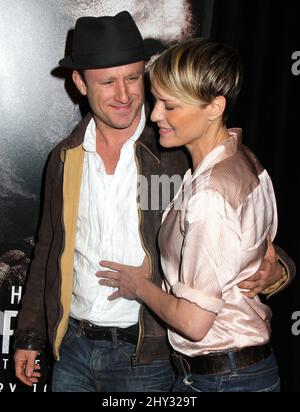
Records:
x=39, y=108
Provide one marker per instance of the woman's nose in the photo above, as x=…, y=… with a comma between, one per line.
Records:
x=156, y=114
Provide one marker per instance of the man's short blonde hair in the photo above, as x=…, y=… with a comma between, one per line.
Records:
x=198, y=70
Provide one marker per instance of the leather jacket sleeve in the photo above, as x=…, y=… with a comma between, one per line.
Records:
x=31, y=328
x=288, y=273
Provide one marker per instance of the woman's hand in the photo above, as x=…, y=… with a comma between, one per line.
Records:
x=123, y=277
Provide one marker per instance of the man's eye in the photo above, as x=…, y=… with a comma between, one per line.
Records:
x=133, y=78
x=107, y=83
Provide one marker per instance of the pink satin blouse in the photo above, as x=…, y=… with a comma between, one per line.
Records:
x=213, y=236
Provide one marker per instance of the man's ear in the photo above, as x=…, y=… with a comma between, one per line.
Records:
x=217, y=107
x=79, y=82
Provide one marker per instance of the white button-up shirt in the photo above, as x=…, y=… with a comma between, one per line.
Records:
x=107, y=229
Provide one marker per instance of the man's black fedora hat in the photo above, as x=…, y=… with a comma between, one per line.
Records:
x=107, y=41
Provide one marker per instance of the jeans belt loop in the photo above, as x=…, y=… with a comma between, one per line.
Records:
x=114, y=336
x=81, y=325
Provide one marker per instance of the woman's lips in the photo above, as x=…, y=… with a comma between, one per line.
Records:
x=164, y=131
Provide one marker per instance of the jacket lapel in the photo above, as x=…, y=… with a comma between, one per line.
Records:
x=73, y=166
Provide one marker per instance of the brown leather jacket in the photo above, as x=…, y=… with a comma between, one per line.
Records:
x=46, y=301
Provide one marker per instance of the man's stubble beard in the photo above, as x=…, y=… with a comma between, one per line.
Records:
x=121, y=124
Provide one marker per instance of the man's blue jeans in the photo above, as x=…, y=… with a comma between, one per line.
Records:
x=103, y=366
x=260, y=377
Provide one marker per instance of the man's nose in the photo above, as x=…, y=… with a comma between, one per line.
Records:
x=121, y=92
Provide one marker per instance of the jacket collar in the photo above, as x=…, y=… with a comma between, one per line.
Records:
x=147, y=140
x=77, y=136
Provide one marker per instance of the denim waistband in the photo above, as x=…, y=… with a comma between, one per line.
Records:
x=222, y=362
x=95, y=332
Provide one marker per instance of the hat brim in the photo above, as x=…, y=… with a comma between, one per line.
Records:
x=151, y=47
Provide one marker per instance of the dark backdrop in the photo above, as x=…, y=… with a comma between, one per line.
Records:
x=266, y=33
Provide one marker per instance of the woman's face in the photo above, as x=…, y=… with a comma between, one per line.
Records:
x=180, y=123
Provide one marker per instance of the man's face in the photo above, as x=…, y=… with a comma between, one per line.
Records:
x=115, y=94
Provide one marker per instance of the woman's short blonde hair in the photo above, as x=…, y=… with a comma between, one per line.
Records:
x=198, y=70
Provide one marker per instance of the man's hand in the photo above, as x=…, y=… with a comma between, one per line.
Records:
x=125, y=278
x=25, y=367
x=268, y=274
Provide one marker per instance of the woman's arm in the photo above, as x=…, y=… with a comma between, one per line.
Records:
x=132, y=283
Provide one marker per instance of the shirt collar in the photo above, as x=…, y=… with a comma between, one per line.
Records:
x=224, y=150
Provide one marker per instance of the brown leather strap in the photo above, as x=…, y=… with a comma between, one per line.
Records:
x=94, y=332
x=221, y=362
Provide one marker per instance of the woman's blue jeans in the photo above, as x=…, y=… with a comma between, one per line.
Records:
x=103, y=366
x=259, y=377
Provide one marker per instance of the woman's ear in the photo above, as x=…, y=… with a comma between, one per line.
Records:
x=79, y=82
x=217, y=107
